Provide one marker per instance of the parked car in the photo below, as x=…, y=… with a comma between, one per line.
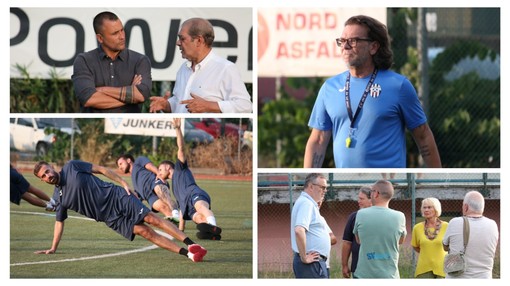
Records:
x=247, y=140
x=66, y=125
x=213, y=126
x=196, y=136
x=28, y=134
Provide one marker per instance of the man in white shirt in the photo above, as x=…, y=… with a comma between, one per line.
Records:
x=483, y=238
x=206, y=82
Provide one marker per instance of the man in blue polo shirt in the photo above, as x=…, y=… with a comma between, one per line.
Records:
x=77, y=189
x=194, y=203
x=367, y=108
x=309, y=233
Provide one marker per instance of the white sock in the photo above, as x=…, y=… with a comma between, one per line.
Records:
x=211, y=220
x=175, y=213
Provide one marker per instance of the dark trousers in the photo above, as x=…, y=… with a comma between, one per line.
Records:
x=316, y=269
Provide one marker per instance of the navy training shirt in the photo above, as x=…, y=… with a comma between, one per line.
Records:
x=183, y=184
x=81, y=191
x=143, y=179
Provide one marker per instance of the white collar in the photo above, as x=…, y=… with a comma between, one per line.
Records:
x=203, y=62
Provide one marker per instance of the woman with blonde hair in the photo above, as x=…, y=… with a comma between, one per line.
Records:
x=427, y=240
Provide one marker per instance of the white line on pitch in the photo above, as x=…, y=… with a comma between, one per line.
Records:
x=147, y=248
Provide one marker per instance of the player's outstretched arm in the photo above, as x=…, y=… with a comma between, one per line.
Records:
x=151, y=167
x=57, y=235
x=180, y=140
x=96, y=169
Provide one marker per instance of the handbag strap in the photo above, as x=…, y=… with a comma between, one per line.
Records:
x=466, y=232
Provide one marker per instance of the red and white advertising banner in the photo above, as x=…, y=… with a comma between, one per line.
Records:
x=300, y=42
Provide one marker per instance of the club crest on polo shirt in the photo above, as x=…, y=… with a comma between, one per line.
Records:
x=375, y=90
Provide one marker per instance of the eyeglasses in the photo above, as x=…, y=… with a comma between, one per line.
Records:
x=323, y=188
x=353, y=42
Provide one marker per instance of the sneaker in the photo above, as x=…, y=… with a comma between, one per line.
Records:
x=205, y=227
x=208, y=235
x=196, y=252
x=173, y=220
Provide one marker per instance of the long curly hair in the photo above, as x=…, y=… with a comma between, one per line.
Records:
x=378, y=32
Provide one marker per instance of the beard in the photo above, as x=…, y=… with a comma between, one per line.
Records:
x=124, y=170
x=55, y=179
x=356, y=60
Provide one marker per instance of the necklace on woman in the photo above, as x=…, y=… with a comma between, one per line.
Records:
x=437, y=228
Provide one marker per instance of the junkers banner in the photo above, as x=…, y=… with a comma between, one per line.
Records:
x=141, y=126
x=45, y=38
x=300, y=42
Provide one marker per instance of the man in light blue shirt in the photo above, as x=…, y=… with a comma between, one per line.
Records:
x=379, y=230
x=367, y=108
x=309, y=233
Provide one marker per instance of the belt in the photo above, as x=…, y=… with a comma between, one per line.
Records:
x=322, y=257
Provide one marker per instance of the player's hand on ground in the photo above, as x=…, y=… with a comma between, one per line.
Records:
x=49, y=251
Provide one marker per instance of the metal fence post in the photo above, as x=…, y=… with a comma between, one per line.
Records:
x=412, y=188
x=290, y=190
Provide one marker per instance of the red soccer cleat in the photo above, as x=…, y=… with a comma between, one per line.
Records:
x=196, y=252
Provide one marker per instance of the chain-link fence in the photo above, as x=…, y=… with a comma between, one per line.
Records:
x=459, y=83
x=278, y=191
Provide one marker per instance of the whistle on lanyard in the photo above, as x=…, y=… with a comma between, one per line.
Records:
x=350, y=137
x=348, y=142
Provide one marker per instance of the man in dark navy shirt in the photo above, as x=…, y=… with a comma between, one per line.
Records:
x=111, y=78
x=148, y=187
x=79, y=190
x=194, y=203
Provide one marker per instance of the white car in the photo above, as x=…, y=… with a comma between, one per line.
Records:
x=247, y=139
x=27, y=135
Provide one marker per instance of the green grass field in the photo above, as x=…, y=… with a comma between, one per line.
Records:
x=90, y=249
